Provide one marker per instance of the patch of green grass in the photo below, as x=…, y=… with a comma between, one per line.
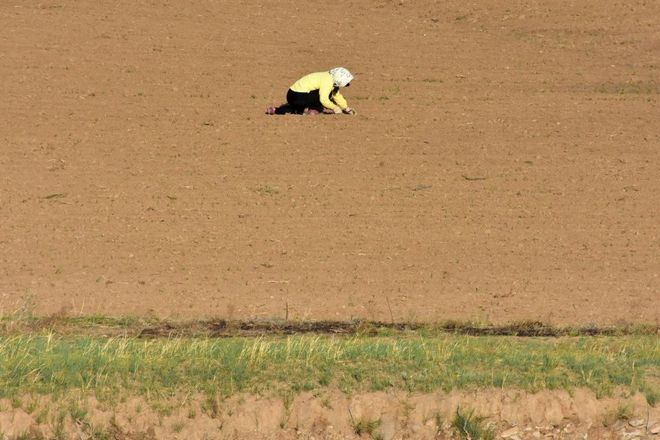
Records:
x=16, y=402
x=365, y=426
x=31, y=406
x=652, y=394
x=621, y=413
x=102, y=434
x=41, y=416
x=58, y=426
x=467, y=425
x=108, y=321
x=51, y=364
x=178, y=427
x=77, y=412
x=211, y=406
x=624, y=412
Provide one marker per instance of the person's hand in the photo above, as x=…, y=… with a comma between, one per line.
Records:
x=336, y=110
x=350, y=111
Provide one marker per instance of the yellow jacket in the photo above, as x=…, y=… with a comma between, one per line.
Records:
x=321, y=81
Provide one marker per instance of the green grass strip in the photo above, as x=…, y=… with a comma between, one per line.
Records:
x=51, y=364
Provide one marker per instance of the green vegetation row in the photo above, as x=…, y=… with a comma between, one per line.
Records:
x=50, y=364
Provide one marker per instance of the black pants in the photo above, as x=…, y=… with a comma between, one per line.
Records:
x=297, y=102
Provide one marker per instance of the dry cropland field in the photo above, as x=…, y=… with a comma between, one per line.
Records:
x=503, y=167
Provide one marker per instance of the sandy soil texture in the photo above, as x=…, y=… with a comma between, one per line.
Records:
x=333, y=415
x=504, y=164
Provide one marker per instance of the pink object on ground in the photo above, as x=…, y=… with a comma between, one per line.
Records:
x=311, y=111
x=270, y=111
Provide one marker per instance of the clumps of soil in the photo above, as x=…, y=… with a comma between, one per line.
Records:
x=223, y=328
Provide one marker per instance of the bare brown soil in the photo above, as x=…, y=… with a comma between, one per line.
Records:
x=333, y=415
x=503, y=165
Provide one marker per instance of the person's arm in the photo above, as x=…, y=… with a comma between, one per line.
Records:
x=341, y=102
x=324, y=95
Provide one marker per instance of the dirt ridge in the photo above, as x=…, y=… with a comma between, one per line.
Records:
x=222, y=328
x=330, y=414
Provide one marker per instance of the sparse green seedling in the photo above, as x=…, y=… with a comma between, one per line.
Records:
x=325, y=402
x=652, y=394
x=365, y=426
x=629, y=87
x=287, y=400
x=624, y=412
x=266, y=190
x=54, y=196
x=178, y=427
x=211, y=406
x=41, y=416
x=58, y=427
x=77, y=412
x=103, y=434
x=439, y=423
x=31, y=406
x=467, y=425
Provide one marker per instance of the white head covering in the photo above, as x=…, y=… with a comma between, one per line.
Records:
x=341, y=76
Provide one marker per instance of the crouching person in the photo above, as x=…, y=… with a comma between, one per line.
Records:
x=317, y=92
